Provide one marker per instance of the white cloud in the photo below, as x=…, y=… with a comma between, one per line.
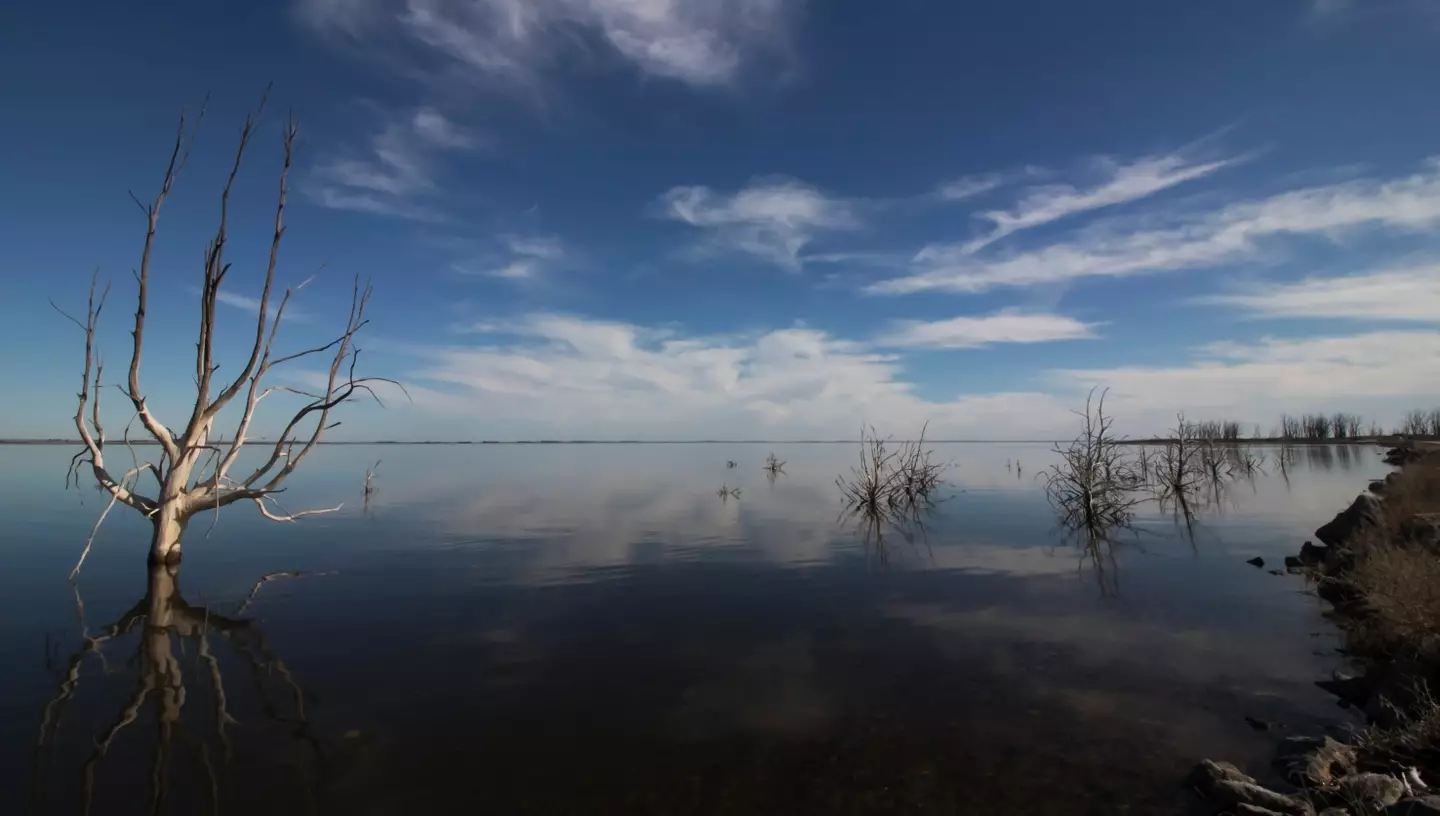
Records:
x=562, y=375
x=616, y=380
x=1385, y=372
x=394, y=175
x=1241, y=231
x=1399, y=294
x=542, y=247
x=969, y=187
x=772, y=218
x=1006, y=326
x=515, y=270
x=524, y=257
x=698, y=42
x=252, y=305
x=1126, y=182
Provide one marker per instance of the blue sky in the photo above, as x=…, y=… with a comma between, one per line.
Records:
x=750, y=218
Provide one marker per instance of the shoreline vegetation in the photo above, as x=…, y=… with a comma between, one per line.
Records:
x=1377, y=564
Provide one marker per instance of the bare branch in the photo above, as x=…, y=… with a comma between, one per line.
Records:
x=260, y=344
x=265, y=511
x=178, y=155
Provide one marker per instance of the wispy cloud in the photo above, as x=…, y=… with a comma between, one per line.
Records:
x=772, y=218
x=523, y=257
x=1241, y=231
x=1007, y=326
x=698, y=42
x=542, y=247
x=1123, y=183
x=395, y=174
x=1400, y=294
x=969, y=187
x=252, y=305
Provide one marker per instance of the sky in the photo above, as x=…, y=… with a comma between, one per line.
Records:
x=742, y=219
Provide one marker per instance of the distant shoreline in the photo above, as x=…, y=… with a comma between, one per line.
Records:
x=258, y=442
x=1387, y=440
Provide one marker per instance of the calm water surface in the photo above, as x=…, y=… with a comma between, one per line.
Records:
x=591, y=629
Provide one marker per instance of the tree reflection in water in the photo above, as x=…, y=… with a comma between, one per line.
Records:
x=173, y=654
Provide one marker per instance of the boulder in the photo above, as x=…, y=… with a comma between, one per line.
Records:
x=1377, y=487
x=1232, y=794
x=1351, y=690
x=1362, y=514
x=1311, y=555
x=1418, y=806
x=1403, y=454
x=1313, y=761
x=1377, y=791
x=1205, y=774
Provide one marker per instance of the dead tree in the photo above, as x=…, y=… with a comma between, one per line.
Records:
x=192, y=471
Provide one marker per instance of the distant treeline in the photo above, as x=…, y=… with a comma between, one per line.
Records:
x=1320, y=427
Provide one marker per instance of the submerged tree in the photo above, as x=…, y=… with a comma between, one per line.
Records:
x=192, y=470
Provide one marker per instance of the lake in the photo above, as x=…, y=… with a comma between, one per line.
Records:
x=564, y=629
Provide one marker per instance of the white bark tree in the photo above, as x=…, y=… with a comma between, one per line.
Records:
x=192, y=472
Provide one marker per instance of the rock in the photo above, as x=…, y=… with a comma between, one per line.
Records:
x=1256, y=562
x=1350, y=690
x=1418, y=806
x=1375, y=790
x=1311, y=555
x=1258, y=724
x=1276, y=572
x=1362, y=513
x=1293, y=563
x=1243, y=809
x=1404, y=454
x=1313, y=761
x=1377, y=487
x=1234, y=793
x=1334, y=811
x=1205, y=774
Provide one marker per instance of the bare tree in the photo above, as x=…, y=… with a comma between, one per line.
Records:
x=1415, y=423
x=192, y=471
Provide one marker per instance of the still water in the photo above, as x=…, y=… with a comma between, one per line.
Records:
x=567, y=629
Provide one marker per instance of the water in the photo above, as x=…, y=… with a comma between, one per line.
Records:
x=591, y=629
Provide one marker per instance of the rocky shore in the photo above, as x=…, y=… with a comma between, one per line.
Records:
x=1374, y=563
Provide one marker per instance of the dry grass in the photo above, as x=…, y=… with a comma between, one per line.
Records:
x=1398, y=580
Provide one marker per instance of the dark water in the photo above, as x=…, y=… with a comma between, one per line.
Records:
x=591, y=629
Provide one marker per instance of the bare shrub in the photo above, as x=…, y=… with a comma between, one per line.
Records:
x=890, y=478
x=1092, y=487
x=1180, y=469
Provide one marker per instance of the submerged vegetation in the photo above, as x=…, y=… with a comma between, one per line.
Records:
x=1092, y=487
x=893, y=487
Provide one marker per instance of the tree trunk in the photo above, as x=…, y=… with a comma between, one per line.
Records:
x=169, y=521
